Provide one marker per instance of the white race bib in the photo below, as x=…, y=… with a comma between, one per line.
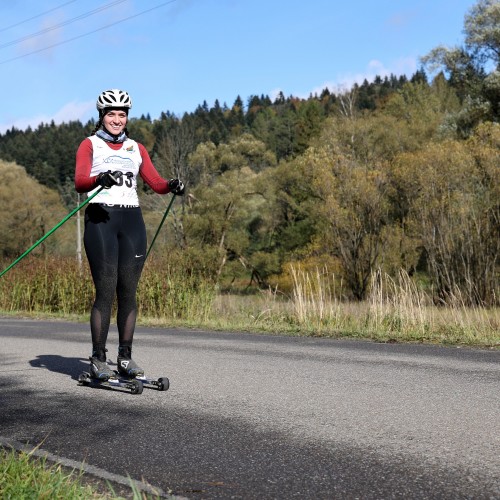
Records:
x=127, y=160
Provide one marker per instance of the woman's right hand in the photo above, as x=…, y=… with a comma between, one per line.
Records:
x=108, y=179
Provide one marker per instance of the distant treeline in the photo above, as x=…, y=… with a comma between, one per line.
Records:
x=286, y=125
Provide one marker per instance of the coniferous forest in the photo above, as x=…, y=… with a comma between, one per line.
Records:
x=396, y=175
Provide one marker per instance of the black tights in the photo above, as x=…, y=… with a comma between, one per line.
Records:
x=115, y=243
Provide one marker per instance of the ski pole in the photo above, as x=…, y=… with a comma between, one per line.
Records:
x=57, y=226
x=161, y=224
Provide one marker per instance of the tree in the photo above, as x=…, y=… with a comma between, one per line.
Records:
x=452, y=201
x=172, y=151
x=218, y=128
x=310, y=117
x=469, y=67
x=27, y=211
x=226, y=202
x=236, y=118
x=141, y=130
x=354, y=211
x=482, y=31
x=348, y=204
x=419, y=112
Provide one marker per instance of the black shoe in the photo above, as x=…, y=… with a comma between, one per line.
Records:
x=100, y=369
x=126, y=365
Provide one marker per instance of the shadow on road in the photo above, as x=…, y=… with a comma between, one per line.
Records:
x=55, y=363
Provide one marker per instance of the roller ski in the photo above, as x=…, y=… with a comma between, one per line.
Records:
x=129, y=385
x=160, y=384
x=129, y=369
x=102, y=375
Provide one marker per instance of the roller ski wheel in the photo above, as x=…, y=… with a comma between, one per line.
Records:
x=160, y=384
x=133, y=386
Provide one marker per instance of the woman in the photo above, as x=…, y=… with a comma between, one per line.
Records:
x=115, y=234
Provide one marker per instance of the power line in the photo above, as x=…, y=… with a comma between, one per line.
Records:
x=64, y=23
x=37, y=16
x=88, y=33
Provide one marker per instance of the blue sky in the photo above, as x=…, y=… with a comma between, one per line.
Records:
x=182, y=52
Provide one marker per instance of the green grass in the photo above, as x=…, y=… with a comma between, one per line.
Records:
x=23, y=476
x=26, y=476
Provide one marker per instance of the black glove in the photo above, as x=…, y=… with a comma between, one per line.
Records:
x=176, y=186
x=108, y=179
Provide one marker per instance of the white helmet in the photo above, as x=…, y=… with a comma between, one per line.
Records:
x=113, y=98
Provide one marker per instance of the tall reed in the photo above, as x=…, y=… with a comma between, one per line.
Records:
x=169, y=290
x=397, y=309
x=47, y=285
x=52, y=285
x=315, y=299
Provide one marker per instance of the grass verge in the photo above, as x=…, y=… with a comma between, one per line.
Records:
x=26, y=476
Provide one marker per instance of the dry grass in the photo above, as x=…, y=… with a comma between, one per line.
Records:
x=396, y=310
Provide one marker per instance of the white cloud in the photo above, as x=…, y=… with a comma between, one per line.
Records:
x=274, y=94
x=44, y=40
x=71, y=111
x=401, y=20
x=403, y=66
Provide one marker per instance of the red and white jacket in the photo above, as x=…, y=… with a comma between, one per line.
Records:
x=95, y=156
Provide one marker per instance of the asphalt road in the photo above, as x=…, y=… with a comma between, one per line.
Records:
x=261, y=417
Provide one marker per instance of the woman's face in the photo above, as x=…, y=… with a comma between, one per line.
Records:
x=115, y=121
